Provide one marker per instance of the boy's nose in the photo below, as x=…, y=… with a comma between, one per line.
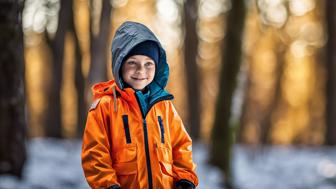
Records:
x=140, y=69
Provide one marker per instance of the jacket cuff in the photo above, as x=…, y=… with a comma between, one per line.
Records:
x=114, y=187
x=184, y=183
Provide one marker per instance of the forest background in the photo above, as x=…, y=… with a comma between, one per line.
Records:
x=254, y=72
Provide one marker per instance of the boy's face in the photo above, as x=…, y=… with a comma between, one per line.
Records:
x=138, y=71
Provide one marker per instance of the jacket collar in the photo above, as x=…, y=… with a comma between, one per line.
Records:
x=130, y=95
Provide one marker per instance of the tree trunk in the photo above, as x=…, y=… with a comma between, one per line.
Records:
x=12, y=101
x=79, y=81
x=99, y=45
x=80, y=88
x=331, y=76
x=192, y=71
x=266, y=121
x=53, y=123
x=223, y=133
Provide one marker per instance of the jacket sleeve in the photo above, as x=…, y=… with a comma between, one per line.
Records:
x=183, y=165
x=96, y=159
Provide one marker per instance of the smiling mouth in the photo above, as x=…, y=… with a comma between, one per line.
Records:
x=138, y=79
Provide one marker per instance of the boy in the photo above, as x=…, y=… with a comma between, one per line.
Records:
x=134, y=138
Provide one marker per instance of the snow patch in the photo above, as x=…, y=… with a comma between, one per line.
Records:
x=54, y=164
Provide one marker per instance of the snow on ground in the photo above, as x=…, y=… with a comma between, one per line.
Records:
x=51, y=164
x=55, y=164
x=285, y=167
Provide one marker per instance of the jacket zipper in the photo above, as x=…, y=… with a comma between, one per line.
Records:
x=149, y=169
x=150, y=179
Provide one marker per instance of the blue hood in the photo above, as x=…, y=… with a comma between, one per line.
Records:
x=128, y=35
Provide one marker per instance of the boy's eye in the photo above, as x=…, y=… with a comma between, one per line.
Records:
x=131, y=63
x=149, y=64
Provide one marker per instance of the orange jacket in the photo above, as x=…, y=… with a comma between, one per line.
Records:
x=120, y=147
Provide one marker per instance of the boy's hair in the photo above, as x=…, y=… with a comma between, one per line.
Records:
x=147, y=48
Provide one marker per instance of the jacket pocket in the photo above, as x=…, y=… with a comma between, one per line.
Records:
x=164, y=155
x=126, y=168
x=166, y=168
x=126, y=160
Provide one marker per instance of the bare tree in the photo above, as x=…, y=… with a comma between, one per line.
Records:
x=99, y=43
x=192, y=71
x=261, y=114
x=266, y=121
x=12, y=101
x=53, y=122
x=331, y=73
x=223, y=133
x=79, y=79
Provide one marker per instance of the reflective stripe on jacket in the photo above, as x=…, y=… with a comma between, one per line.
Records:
x=121, y=147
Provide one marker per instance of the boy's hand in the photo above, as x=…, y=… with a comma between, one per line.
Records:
x=114, y=187
x=188, y=187
x=184, y=184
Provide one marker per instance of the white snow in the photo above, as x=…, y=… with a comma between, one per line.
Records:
x=51, y=164
x=283, y=167
x=55, y=164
